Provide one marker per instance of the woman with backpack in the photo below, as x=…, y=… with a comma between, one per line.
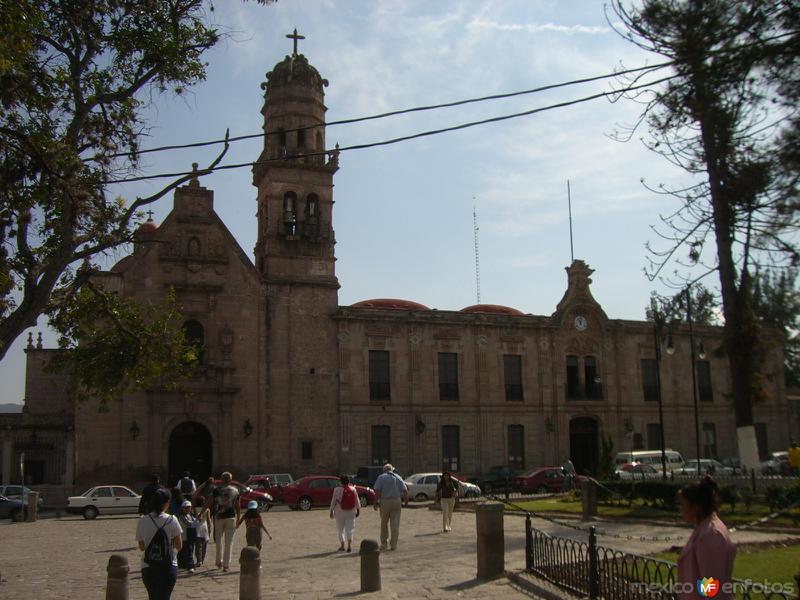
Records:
x=159, y=536
x=344, y=509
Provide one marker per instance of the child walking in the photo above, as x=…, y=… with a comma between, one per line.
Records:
x=254, y=525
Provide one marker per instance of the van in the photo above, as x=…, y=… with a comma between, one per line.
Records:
x=652, y=457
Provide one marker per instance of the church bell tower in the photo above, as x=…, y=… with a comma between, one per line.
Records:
x=295, y=256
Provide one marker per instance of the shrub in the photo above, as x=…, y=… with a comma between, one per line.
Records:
x=729, y=494
x=747, y=497
x=776, y=497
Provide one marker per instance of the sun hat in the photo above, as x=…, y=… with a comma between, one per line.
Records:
x=252, y=504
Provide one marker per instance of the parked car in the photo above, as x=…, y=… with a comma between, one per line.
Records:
x=104, y=500
x=270, y=483
x=19, y=492
x=496, y=479
x=11, y=509
x=637, y=471
x=543, y=480
x=733, y=463
x=317, y=490
x=246, y=494
x=707, y=465
x=422, y=486
x=674, y=460
x=366, y=476
x=777, y=463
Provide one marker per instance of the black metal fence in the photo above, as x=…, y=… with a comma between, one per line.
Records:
x=596, y=572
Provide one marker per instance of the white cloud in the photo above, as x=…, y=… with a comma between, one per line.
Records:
x=478, y=23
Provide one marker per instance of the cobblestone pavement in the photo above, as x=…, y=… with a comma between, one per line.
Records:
x=66, y=558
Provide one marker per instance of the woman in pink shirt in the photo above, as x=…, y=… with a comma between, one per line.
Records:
x=709, y=553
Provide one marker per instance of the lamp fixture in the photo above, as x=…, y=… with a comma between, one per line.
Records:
x=247, y=428
x=701, y=350
x=420, y=426
x=670, y=344
x=134, y=430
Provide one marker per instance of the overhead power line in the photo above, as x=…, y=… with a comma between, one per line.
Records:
x=394, y=113
x=398, y=139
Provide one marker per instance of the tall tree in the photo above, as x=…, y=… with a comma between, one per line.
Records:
x=75, y=76
x=776, y=302
x=729, y=118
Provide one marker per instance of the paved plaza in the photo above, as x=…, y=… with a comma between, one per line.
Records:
x=67, y=557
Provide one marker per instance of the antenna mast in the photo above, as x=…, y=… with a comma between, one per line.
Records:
x=569, y=206
x=477, y=255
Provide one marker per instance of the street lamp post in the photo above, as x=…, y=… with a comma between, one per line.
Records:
x=657, y=323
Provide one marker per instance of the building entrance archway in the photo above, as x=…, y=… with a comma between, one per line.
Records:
x=190, y=450
x=584, y=444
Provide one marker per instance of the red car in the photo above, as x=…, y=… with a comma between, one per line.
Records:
x=246, y=494
x=544, y=480
x=317, y=490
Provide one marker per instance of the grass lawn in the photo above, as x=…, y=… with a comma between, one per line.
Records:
x=641, y=511
x=776, y=565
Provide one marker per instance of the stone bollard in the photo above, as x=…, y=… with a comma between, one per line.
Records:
x=370, y=554
x=588, y=500
x=250, y=574
x=491, y=539
x=32, y=507
x=117, y=585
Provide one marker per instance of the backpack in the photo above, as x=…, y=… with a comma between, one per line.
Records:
x=186, y=485
x=158, y=552
x=349, y=498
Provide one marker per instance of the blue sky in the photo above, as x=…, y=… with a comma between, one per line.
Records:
x=403, y=213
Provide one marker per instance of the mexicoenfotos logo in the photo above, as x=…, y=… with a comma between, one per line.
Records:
x=708, y=587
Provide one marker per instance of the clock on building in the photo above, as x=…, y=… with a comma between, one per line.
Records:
x=581, y=323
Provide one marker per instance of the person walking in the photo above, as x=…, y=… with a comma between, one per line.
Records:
x=176, y=501
x=709, y=552
x=390, y=492
x=148, y=494
x=204, y=519
x=344, y=509
x=189, y=534
x=187, y=485
x=253, y=525
x=159, y=537
x=446, y=494
x=228, y=512
x=568, y=469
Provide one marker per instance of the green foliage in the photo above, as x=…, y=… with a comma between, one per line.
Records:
x=776, y=302
x=605, y=464
x=653, y=492
x=670, y=310
x=729, y=494
x=776, y=497
x=113, y=344
x=747, y=496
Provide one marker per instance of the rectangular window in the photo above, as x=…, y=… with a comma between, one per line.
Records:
x=654, y=436
x=761, y=440
x=379, y=388
x=709, y=440
x=573, y=379
x=381, y=444
x=306, y=450
x=512, y=371
x=649, y=380
x=704, y=391
x=448, y=376
x=638, y=441
x=516, y=446
x=591, y=378
x=451, y=450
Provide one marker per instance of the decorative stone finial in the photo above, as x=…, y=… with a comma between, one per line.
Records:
x=194, y=181
x=30, y=339
x=39, y=341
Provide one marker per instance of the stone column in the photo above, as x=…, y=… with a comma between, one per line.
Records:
x=588, y=500
x=370, y=565
x=117, y=585
x=491, y=540
x=32, y=506
x=250, y=574
x=8, y=453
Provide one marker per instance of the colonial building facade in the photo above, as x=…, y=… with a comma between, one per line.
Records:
x=291, y=381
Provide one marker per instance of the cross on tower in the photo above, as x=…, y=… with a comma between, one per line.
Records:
x=149, y=215
x=295, y=37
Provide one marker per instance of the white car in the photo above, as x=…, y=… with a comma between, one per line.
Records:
x=707, y=465
x=104, y=500
x=638, y=471
x=422, y=486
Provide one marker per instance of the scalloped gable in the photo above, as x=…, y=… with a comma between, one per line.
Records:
x=578, y=293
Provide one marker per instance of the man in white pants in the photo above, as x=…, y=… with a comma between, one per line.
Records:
x=228, y=511
x=390, y=492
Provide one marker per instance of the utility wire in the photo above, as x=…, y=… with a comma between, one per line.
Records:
x=397, y=112
x=397, y=139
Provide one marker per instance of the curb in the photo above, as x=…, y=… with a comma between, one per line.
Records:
x=541, y=588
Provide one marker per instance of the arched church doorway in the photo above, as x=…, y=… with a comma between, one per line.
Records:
x=190, y=450
x=584, y=444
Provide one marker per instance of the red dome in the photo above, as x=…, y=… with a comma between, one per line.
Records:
x=494, y=309
x=122, y=265
x=148, y=226
x=390, y=304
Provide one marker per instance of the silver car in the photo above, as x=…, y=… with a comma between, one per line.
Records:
x=707, y=465
x=19, y=492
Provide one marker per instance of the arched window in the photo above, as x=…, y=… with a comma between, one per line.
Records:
x=312, y=206
x=290, y=213
x=193, y=248
x=194, y=336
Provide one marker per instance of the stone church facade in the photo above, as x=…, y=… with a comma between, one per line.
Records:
x=292, y=381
